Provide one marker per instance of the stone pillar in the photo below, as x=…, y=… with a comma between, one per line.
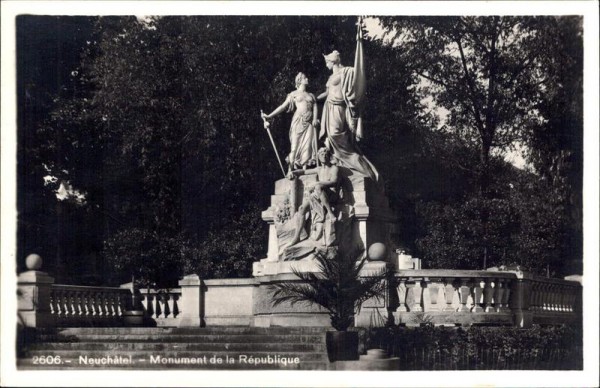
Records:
x=33, y=295
x=192, y=306
x=519, y=302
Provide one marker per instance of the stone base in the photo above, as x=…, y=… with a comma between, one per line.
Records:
x=292, y=320
x=452, y=318
x=265, y=267
x=367, y=363
x=364, y=218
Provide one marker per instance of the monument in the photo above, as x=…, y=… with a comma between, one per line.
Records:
x=333, y=198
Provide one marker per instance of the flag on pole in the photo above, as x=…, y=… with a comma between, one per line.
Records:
x=360, y=79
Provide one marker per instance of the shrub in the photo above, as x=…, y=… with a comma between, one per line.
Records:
x=448, y=348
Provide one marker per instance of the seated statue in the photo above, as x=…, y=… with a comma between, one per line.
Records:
x=317, y=210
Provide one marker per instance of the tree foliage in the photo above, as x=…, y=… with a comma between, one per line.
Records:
x=157, y=127
x=489, y=74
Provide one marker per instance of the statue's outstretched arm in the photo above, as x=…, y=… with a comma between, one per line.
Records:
x=279, y=109
x=323, y=95
x=294, y=173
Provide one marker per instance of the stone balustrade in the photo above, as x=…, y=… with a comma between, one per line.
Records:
x=414, y=297
x=451, y=297
x=162, y=306
x=87, y=306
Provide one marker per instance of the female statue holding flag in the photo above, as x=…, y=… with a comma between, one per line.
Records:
x=341, y=121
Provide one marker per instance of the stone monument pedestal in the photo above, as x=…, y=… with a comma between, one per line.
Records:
x=364, y=212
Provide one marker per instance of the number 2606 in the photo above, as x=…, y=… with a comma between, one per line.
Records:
x=46, y=360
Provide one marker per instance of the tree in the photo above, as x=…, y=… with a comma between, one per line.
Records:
x=487, y=73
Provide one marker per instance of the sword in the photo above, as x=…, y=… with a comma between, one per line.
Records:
x=266, y=123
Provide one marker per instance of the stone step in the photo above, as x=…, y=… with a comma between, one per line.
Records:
x=165, y=348
x=279, y=347
x=181, y=338
x=233, y=330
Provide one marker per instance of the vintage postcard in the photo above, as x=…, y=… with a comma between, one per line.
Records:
x=299, y=193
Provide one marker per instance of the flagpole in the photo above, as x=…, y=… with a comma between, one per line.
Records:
x=359, y=78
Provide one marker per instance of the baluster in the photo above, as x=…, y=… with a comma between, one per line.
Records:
x=175, y=310
x=85, y=304
x=110, y=304
x=559, y=298
x=62, y=296
x=477, y=294
x=464, y=291
x=560, y=289
x=546, y=296
x=123, y=298
x=116, y=300
x=499, y=290
x=58, y=307
x=416, y=291
x=533, y=304
x=571, y=299
x=158, y=310
x=102, y=305
x=149, y=306
x=554, y=297
x=72, y=304
x=96, y=303
x=160, y=305
x=434, y=290
x=506, y=295
x=402, y=290
x=449, y=294
x=146, y=300
x=53, y=309
x=66, y=304
x=170, y=303
x=488, y=295
x=79, y=311
x=91, y=304
x=542, y=295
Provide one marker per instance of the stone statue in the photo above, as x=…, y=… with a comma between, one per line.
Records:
x=341, y=121
x=340, y=203
x=303, y=137
x=317, y=211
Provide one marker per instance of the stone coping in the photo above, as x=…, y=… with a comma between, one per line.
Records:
x=454, y=273
x=232, y=282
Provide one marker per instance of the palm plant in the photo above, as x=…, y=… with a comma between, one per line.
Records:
x=338, y=287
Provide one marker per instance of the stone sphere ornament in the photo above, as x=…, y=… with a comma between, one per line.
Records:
x=377, y=251
x=33, y=262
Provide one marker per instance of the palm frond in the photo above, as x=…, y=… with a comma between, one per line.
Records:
x=338, y=287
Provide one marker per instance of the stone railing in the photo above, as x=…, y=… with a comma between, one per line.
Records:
x=440, y=297
x=87, y=306
x=550, y=300
x=161, y=306
x=451, y=297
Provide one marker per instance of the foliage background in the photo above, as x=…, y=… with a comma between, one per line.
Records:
x=155, y=124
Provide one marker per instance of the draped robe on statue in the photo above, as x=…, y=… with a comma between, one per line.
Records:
x=341, y=120
x=302, y=132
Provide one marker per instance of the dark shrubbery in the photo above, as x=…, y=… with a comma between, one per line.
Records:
x=456, y=348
